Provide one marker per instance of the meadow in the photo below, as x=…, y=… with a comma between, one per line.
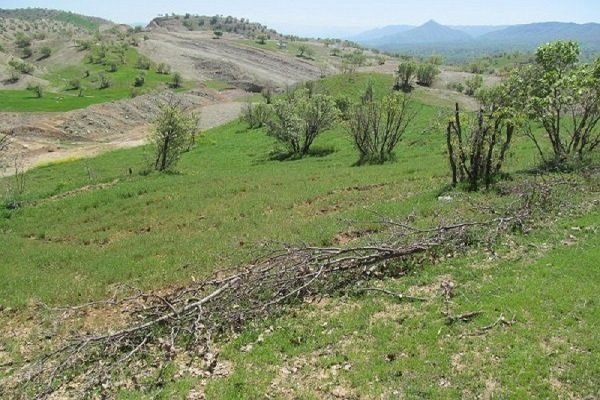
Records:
x=103, y=222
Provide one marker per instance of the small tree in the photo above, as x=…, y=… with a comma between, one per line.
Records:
x=173, y=133
x=405, y=76
x=139, y=80
x=256, y=115
x=176, y=80
x=36, y=89
x=45, y=52
x=104, y=81
x=377, y=126
x=352, y=61
x=163, y=69
x=426, y=74
x=564, y=97
x=478, y=144
x=74, y=84
x=261, y=39
x=299, y=118
x=218, y=34
x=473, y=84
x=143, y=63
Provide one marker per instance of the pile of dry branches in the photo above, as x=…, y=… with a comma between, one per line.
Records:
x=159, y=327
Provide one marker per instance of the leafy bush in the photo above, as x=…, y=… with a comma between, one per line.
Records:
x=473, y=84
x=405, y=76
x=299, y=118
x=45, y=52
x=377, y=127
x=256, y=115
x=426, y=74
x=173, y=133
x=143, y=63
x=176, y=80
x=104, y=82
x=163, y=69
x=139, y=80
x=21, y=66
x=36, y=89
x=74, y=84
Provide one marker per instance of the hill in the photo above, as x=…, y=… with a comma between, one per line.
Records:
x=534, y=34
x=36, y=14
x=460, y=43
x=188, y=22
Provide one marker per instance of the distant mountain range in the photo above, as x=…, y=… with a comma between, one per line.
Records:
x=463, y=40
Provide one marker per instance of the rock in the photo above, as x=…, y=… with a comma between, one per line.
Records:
x=446, y=199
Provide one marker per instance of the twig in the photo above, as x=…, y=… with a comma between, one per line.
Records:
x=400, y=296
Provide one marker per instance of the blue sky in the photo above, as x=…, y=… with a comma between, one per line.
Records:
x=320, y=17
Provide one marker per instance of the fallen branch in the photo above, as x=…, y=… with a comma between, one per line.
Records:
x=400, y=296
x=500, y=321
x=467, y=317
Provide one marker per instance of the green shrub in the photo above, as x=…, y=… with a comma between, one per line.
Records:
x=256, y=115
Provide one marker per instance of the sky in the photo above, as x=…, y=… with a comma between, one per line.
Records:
x=337, y=18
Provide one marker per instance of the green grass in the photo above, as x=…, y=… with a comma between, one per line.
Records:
x=58, y=98
x=76, y=238
x=228, y=195
x=405, y=350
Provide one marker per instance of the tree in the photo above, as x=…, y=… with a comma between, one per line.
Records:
x=479, y=142
x=173, y=133
x=74, y=84
x=256, y=115
x=405, y=76
x=163, y=69
x=426, y=74
x=143, y=63
x=36, y=89
x=139, y=80
x=176, y=80
x=261, y=39
x=305, y=51
x=352, y=61
x=564, y=97
x=45, y=52
x=104, y=82
x=299, y=118
x=377, y=126
x=218, y=34
x=473, y=84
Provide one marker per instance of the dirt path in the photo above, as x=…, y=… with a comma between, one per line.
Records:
x=38, y=141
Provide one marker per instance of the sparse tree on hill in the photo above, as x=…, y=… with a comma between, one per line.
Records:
x=426, y=74
x=564, y=97
x=45, y=52
x=473, y=84
x=478, y=143
x=36, y=89
x=299, y=118
x=163, y=69
x=405, y=76
x=176, y=80
x=377, y=126
x=173, y=133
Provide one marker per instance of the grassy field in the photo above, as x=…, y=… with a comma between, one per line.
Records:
x=94, y=225
x=58, y=97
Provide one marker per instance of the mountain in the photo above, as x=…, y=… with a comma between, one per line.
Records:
x=478, y=30
x=430, y=32
x=36, y=14
x=379, y=33
x=535, y=34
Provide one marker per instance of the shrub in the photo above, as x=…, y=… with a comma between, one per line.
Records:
x=473, y=84
x=218, y=34
x=405, y=76
x=22, y=41
x=478, y=144
x=45, y=52
x=163, y=69
x=261, y=39
x=143, y=63
x=377, y=127
x=426, y=74
x=36, y=89
x=173, y=133
x=139, y=80
x=104, y=82
x=299, y=118
x=256, y=115
x=74, y=84
x=27, y=52
x=21, y=66
x=176, y=80
x=344, y=106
